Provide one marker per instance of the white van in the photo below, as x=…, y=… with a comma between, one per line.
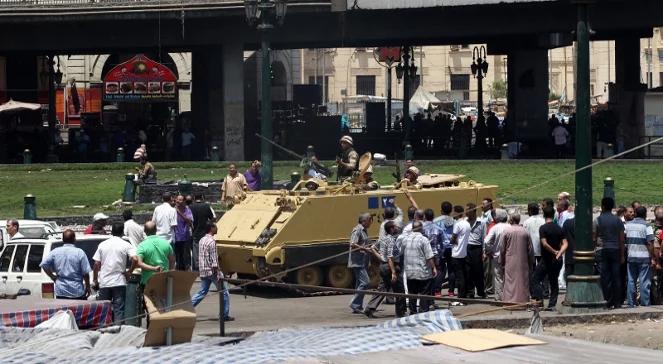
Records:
x=32, y=229
x=20, y=260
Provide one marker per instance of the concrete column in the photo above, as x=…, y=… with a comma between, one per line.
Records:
x=233, y=101
x=528, y=96
x=217, y=98
x=203, y=108
x=627, y=96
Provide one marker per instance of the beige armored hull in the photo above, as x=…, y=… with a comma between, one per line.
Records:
x=271, y=232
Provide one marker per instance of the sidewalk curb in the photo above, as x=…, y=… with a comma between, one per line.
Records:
x=502, y=322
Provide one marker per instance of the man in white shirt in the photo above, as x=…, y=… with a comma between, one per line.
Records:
x=12, y=230
x=560, y=134
x=459, y=241
x=532, y=225
x=110, y=270
x=165, y=217
x=492, y=247
x=134, y=232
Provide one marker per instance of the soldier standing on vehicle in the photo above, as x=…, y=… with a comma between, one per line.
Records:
x=347, y=162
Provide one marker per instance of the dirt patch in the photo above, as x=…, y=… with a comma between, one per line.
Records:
x=644, y=333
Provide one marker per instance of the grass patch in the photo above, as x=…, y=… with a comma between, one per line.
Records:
x=59, y=187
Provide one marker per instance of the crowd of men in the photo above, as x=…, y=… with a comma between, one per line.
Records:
x=179, y=236
x=477, y=251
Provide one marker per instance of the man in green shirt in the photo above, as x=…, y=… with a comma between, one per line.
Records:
x=154, y=254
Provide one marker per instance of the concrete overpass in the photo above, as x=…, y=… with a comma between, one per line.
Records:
x=216, y=33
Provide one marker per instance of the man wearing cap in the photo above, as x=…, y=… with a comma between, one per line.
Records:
x=412, y=176
x=347, y=162
x=146, y=172
x=99, y=221
x=370, y=184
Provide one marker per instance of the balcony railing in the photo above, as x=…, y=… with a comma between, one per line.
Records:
x=79, y=3
x=71, y=4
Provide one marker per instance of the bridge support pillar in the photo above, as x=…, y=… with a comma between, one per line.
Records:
x=217, y=97
x=527, y=94
x=627, y=94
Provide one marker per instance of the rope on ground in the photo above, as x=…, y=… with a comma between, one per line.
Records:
x=244, y=282
x=515, y=306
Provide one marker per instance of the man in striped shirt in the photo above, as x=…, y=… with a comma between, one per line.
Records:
x=390, y=270
x=640, y=246
x=210, y=272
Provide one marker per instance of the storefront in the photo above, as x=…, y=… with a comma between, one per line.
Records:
x=132, y=101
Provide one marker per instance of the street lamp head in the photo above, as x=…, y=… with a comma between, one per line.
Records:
x=399, y=71
x=484, y=67
x=413, y=71
x=474, y=68
x=281, y=9
x=57, y=77
x=251, y=11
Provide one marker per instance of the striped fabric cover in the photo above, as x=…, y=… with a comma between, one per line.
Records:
x=90, y=314
x=293, y=345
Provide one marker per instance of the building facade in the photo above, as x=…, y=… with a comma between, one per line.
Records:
x=445, y=71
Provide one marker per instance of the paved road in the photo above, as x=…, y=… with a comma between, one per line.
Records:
x=270, y=309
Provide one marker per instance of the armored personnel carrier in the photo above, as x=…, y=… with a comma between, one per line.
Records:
x=273, y=231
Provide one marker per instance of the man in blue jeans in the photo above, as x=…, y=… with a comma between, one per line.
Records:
x=609, y=237
x=640, y=245
x=445, y=223
x=208, y=266
x=358, y=259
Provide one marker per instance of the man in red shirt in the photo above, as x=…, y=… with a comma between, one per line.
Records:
x=99, y=221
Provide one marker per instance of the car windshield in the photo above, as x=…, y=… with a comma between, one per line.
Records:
x=32, y=231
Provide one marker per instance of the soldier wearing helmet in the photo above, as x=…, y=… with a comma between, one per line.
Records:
x=348, y=160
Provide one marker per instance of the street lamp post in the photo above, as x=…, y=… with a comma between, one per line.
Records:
x=406, y=70
x=479, y=70
x=54, y=79
x=265, y=15
x=583, y=290
x=386, y=56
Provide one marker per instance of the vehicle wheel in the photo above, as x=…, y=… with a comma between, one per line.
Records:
x=311, y=276
x=339, y=276
x=373, y=276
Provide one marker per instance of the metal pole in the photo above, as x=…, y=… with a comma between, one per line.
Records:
x=324, y=83
x=51, y=98
x=650, y=55
x=421, y=65
x=222, y=302
x=583, y=289
x=566, y=80
x=406, y=94
x=266, y=117
x=480, y=96
x=169, y=303
x=388, y=98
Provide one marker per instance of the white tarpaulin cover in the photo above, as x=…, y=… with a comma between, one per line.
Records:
x=421, y=101
x=62, y=346
x=13, y=106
